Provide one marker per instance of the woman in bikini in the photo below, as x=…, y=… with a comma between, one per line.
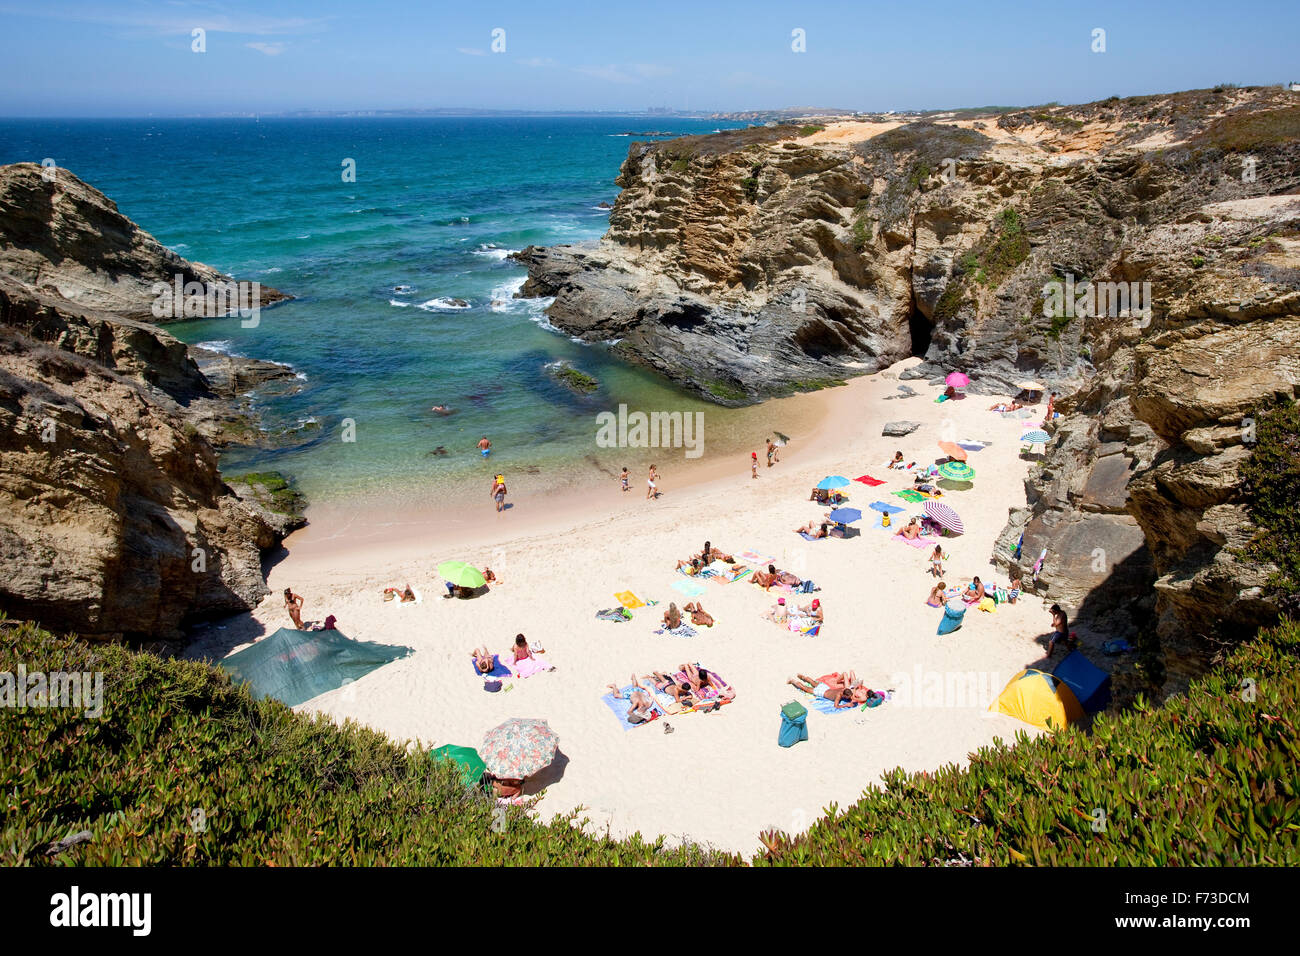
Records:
x=483, y=660
x=293, y=604
x=672, y=617
x=936, y=598
x=911, y=532
x=699, y=616
x=814, y=528
x=974, y=592
x=837, y=690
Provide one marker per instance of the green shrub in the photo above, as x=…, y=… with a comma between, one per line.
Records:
x=810, y=129
x=273, y=491
x=1271, y=485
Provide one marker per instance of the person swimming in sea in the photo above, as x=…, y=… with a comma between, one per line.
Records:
x=484, y=446
x=442, y=410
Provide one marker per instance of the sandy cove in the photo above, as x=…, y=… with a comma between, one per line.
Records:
x=718, y=778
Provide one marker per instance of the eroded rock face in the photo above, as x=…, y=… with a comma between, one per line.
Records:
x=114, y=519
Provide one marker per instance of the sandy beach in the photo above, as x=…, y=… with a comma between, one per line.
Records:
x=718, y=778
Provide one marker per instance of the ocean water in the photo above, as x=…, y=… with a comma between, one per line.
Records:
x=375, y=265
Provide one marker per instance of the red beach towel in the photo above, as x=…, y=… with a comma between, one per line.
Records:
x=868, y=480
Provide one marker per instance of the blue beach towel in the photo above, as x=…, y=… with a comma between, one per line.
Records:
x=824, y=706
x=809, y=537
x=689, y=588
x=619, y=708
x=885, y=507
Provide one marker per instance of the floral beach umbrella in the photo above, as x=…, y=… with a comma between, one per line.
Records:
x=957, y=379
x=519, y=748
x=957, y=471
x=945, y=517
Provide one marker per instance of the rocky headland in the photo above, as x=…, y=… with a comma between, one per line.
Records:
x=116, y=522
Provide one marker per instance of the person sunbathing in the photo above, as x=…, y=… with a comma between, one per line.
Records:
x=1012, y=406
x=710, y=554
x=483, y=660
x=817, y=530
x=813, y=611
x=936, y=598
x=703, y=681
x=974, y=592
x=699, y=616
x=490, y=576
x=911, y=532
x=640, y=703
x=522, y=651
x=819, y=495
x=896, y=461
x=839, y=692
x=679, y=691
x=765, y=579
x=672, y=617
x=777, y=614
x=689, y=567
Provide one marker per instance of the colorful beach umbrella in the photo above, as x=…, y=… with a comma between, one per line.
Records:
x=1037, y=437
x=832, y=481
x=466, y=758
x=957, y=379
x=846, y=515
x=957, y=471
x=461, y=574
x=953, y=450
x=519, y=748
x=945, y=517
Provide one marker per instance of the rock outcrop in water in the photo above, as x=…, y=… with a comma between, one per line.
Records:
x=762, y=261
x=114, y=519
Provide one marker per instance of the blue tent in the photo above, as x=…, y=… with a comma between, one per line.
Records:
x=295, y=666
x=1089, y=682
x=953, y=612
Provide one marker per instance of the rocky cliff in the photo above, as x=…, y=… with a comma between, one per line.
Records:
x=116, y=522
x=775, y=259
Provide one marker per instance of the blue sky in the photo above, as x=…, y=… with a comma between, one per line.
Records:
x=134, y=57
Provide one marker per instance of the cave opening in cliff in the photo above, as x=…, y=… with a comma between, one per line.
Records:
x=921, y=330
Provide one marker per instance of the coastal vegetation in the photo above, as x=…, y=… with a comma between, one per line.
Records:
x=578, y=381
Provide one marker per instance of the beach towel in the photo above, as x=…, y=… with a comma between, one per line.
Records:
x=717, y=568
x=619, y=707
x=616, y=614
x=809, y=537
x=753, y=557
x=824, y=706
x=689, y=588
x=682, y=630
x=530, y=666
x=988, y=604
x=664, y=702
x=884, y=507
x=628, y=600
x=868, y=480
x=973, y=444
x=907, y=494
x=498, y=669
x=732, y=577
x=918, y=542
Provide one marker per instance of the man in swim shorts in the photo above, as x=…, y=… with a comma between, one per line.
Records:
x=484, y=446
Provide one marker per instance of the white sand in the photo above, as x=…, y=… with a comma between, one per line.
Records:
x=718, y=778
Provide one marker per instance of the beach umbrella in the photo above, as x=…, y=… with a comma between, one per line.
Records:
x=944, y=516
x=461, y=574
x=846, y=515
x=1029, y=385
x=953, y=450
x=957, y=379
x=467, y=758
x=1036, y=437
x=832, y=481
x=519, y=748
x=957, y=471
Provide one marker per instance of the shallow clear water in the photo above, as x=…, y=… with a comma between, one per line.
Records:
x=436, y=205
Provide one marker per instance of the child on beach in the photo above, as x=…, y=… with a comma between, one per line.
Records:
x=652, y=491
x=771, y=453
x=499, y=491
x=936, y=561
x=624, y=478
x=753, y=464
x=936, y=598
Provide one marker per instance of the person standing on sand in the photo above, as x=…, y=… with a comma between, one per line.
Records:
x=1051, y=407
x=771, y=453
x=499, y=491
x=652, y=489
x=484, y=446
x=753, y=464
x=293, y=604
x=624, y=478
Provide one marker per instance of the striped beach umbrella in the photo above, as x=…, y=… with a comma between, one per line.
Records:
x=957, y=379
x=832, y=481
x=945, y=517
x=1036, y=437
x=519, y=748
x=953, y=450
x=957, y=471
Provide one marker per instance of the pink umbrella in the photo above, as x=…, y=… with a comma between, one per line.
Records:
x=957, y=379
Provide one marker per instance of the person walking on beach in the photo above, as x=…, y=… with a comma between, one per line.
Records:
x=753, y=464
x=652, y=490
x=499, y=491
x=771, y=453
x=484, y=446
x=624, y=478
x=293, y=604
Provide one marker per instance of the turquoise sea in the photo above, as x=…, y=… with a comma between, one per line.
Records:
x=374, y=264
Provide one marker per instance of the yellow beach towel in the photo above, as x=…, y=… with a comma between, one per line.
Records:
x=988, y=604
x=629, y=600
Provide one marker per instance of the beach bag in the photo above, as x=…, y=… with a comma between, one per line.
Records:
x=794, y=724
x=953, y=612
x=492, y=686
x=807, y=587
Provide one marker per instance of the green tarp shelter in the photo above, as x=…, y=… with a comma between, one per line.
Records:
x=468, y=761
x=295, y=666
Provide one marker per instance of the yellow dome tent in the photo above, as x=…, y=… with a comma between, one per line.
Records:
x=1036, y=697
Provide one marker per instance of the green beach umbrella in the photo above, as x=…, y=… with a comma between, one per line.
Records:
x=957, y=470
x=461, y=574
x=471, y=764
